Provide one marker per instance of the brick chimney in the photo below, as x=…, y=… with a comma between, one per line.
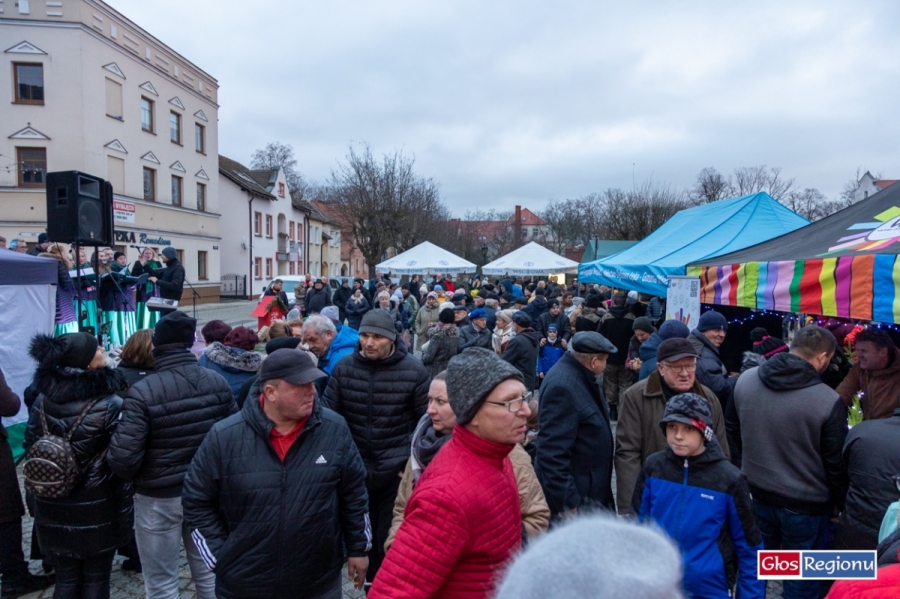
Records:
x=517, y=226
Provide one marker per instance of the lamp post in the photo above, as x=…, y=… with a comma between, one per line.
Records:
x=484, y=253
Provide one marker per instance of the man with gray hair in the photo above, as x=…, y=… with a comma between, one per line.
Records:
x=575, y=446
x=329, y=342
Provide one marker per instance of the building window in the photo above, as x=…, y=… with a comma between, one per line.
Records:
x=534, y=232
x=201, y=197
x=32, y=166
x=292, y=268
x=257, y=268
x=180, y=254
x=201, y=266
x=291, y=230
x=200, y=138
x=300, y=232
x=149, y=184
x=175, y=127
x=114, y=99
x=269, y=226
x=115, y=173
x=29, y=83
x=147, y=114
x=281, y=190
x=268, y=268
x=176, y=190
x=257, y=224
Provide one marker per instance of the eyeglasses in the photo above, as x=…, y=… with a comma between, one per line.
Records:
x=688, y=368
x=514, y=405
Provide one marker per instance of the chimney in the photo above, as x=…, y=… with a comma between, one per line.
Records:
x=517, y=227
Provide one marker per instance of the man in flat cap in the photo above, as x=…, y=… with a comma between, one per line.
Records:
x=638, y=435
x=575, y=443
x=277, y=492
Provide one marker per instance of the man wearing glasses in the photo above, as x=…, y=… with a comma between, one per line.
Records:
x=463, y=522
x=638, y=434
x=574, y=456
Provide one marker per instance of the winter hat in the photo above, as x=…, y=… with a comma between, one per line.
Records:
x=522, y=319
x=71, y=350
x=673, y=329
x=643, y=323
x=438, y=288
x=596, y=557
x=423, y=290
x=690, y=409
x=671, y=350
x=460, y=308
x=282, y=343
x=552, y=328
x=333, y=313
x=43, y=238
x=445, y=305
x=477, y=313
x=431, y=294
x=521, y=301
x=593, y=301
x=471, y=376
x=446, y=316
x=175, y=327
x=378, y=322
x=117, y=254
x=551, y=303
x=765, y=345
x=169, y=252
x=710, y=321
x=539, y=291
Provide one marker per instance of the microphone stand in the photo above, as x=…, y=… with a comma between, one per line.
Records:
x=78, y=286
x=102, y=326
x=194, y=296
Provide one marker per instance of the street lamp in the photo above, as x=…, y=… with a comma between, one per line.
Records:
x=484, y=251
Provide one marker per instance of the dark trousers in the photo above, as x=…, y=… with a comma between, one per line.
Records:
x=381, y=512
x=13, y=567
x=782, y=528
x=83, y=578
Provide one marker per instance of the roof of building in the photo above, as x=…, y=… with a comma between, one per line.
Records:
x=243, y=177
x=266, y=177
x=882, y=183
x=529, y=218
x=325, y=213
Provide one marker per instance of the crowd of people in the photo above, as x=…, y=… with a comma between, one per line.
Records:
x=454, y=439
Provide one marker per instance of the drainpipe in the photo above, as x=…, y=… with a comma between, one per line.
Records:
x=250, y=278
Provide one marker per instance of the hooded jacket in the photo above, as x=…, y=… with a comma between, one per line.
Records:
x=881, y=388
x=382, y=400
x=704, y=504
x=536, y=308
x=710, y=369
x=789, y=429
x=272, y=528
x=97, y=516
x=165, y=417
x=235, y=365
x=647, y=353
x=342, y=345
x=522, y=352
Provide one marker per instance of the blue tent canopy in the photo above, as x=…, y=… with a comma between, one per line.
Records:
x=690, y=236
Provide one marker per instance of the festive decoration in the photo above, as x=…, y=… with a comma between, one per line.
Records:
x=854, y=412
x=267, y=313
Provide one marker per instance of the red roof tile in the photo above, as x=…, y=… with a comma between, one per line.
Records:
x=882, y=183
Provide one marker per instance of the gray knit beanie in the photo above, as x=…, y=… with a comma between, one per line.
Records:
x=471, y=376
x=378, y=322
x=596, y=557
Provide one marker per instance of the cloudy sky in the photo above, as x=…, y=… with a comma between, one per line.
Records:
x=519, y=102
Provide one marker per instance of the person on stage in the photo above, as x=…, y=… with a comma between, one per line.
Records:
x=169, y=280
x=65, y=321
x=116, y=299
x=86, y=290
x=146, y=263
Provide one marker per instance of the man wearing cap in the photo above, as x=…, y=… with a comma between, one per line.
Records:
x=574, y=458
x=43, y=244
x=277, y=492
x=707, y=339
x=476, y=333
x=554, y=315
x=330, y=344
x=317, y=297
x=637, y=434
x=382, y=391
x=164, y=418
x=169, y=280
x=523, y=349
x=463, y=521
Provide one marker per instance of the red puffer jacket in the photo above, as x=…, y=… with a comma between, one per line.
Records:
x=462, y=524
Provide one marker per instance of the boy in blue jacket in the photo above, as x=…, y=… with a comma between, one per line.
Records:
x=551, y=351
x=703, y=502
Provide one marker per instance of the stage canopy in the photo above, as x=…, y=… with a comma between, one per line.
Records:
x=532, y=259
x=692, y=235
x=844, y=265
x=425, y=259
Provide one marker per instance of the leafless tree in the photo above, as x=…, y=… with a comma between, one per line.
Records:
x=562, y=220
x=711, y=186
x=635, y=214
x=754, y=179
x=277, y=154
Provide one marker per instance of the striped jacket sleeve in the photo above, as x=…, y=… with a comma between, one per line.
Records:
x=354, y=500
x=200, y=500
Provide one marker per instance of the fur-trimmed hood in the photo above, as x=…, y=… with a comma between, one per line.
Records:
x=65, y=384
x=233, y=359
x=751, y=360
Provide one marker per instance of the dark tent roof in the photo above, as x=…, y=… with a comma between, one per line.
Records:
x=871, y=226
x=22, y=269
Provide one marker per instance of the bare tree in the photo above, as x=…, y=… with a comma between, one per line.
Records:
x=811, y=204
x=636, y=214
x=562, y=220
x=711, y=186
x=277, y=154
x=754, y=179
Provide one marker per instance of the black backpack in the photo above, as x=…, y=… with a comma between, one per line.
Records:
x=51, y=468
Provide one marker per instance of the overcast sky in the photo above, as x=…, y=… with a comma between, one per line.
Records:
x=520, y=102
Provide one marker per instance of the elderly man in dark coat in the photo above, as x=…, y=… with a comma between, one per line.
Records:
x=575, y=446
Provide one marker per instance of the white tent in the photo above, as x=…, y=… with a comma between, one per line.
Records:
x=532, y=259
x=425, y=259
x=27, y=307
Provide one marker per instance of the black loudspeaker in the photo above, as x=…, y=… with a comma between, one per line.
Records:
x=79, y=208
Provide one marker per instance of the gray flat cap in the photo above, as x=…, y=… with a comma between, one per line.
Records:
x=591, y=342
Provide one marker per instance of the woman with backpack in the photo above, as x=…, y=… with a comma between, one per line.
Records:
x=83, y=511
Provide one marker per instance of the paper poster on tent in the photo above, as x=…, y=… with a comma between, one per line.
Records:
x=683, y=300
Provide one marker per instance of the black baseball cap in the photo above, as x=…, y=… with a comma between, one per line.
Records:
x=289, y=365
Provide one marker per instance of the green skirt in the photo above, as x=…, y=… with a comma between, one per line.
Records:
x=63, y=328
x=89, y=306
x=146, y=318
x=120, y=326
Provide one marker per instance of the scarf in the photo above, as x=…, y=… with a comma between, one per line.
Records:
x=425, y=444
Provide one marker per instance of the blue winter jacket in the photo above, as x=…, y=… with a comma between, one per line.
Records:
x=343, y=344
x=550, y=355
x=703, y=503
x=647, y=354
x=234, y=364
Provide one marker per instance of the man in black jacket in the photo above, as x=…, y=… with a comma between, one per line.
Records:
x=382, y=391
x=317, y=298
x=574, y=458
x=476, y=333
x=554, y=315
x=616, y=327
x=523, y=349
x=707, y=339
x=277, y=491
x=170, y=280
x=164, y=418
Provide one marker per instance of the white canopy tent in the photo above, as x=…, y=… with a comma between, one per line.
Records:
x=530, y=260
x=425, y=259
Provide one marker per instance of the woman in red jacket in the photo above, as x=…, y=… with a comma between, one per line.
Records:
x=463, y=522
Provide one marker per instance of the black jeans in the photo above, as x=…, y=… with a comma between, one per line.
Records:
x=13, y=567
x=83, y=578
x=381, y=512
